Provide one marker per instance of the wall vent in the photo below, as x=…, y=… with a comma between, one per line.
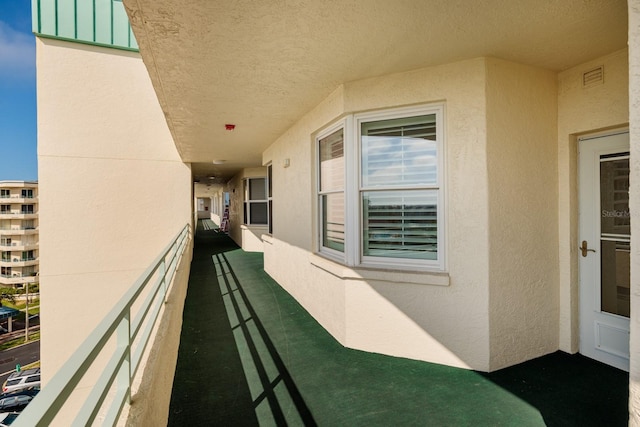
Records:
x=592, y=77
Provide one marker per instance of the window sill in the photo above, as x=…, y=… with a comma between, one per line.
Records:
x=426, y=277
x=254, y=226
x=267, y=238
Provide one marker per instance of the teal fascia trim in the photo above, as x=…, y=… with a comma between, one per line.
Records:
x=109, y=46
x=96, y=22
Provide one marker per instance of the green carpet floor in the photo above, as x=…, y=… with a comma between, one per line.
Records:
x=251, y=355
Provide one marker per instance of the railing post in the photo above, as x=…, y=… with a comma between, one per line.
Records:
x=124, y=339
x=163, y=273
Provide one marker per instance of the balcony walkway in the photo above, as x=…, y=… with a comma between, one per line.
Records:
x=250, y=355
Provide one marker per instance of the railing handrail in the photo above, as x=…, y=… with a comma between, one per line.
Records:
x=18, y=212
x=120, y=367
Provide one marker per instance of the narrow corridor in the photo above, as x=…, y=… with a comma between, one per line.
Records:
x=251, y=355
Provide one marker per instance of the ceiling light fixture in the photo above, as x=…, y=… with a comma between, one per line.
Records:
x=218, y=162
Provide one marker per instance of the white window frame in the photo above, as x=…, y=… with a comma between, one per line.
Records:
x=248, y=201
x=327, y=251
x=269, y=197
x=353, y=248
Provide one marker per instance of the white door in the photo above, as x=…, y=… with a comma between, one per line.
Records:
x=603, y=248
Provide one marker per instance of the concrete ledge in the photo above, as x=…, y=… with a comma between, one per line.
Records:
x=380, y=274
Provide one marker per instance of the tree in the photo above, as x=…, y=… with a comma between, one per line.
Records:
x=8, y=294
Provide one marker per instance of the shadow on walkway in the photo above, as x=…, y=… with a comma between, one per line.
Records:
x=251, y=355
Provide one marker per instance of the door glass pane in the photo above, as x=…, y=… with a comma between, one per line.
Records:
x=615, y=227
x=614, y=196
x=615, y=285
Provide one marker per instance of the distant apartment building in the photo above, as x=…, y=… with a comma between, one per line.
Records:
x=18, y=233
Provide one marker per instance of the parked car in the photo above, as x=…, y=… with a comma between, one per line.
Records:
x=7, y=418
x=31, y=391
x=15, y=403
x=23, y=379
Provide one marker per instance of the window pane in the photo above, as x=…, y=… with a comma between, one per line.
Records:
x=614, y=196
x=258, y=212
x=257, y=189
x=332, y=161
x=615, y=296
x=400, y=224
x=246, y=209
x=333, y=221
x=400, y=152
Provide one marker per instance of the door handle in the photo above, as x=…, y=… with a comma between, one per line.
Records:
x=584, y=249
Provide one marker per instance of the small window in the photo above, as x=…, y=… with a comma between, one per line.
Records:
x=33, y=379
x=5, y=194
x=27, y=209
x=399, y=187
x=27, y=194
x=331, y=183
x=5, y=208
x=255, y=201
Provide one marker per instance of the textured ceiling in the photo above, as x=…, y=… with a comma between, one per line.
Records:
x=262, y=64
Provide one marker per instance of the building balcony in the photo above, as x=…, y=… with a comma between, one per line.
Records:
x=18, y=231
x=18, y=198
x=18, y=215
x=249, y=354
x=19, y=262
x=17, y=279
x=18, y=246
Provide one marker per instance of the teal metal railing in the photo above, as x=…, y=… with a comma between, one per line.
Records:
x=97, y=22
x=131, y=330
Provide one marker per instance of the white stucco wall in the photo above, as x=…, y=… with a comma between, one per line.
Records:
x=511, y=215
x=385, y=312
x=523, y=231
x=113, y=190
x=634, y=205
x=582, y=111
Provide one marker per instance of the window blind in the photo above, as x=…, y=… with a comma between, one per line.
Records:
x=400, y=224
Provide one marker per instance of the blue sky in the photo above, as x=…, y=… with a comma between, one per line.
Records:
x=17, y=92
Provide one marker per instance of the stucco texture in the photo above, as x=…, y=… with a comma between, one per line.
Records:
x=408, y=320
x=113, y=190
x=522, y=173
